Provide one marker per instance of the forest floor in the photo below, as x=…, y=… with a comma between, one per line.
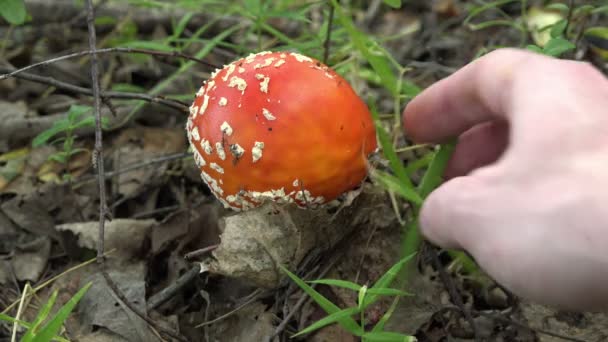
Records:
x=163, y=225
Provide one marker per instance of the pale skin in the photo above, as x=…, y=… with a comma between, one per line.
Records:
x=527, y=186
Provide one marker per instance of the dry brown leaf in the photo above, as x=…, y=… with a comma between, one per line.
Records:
x=31, y=259
x=251, y=323
x=100, y=307
x=136, y=145
x=127, y=236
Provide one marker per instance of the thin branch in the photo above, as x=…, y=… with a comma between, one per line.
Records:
x=99, y=163
x=106, y=95
x=174, y=54
x=199, y=252
x=135, y=166
x=98, y=155
x=327, y=43
x=170, y=291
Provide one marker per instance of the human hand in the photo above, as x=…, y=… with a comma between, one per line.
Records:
x=527, y=188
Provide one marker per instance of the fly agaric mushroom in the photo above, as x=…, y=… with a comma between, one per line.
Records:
x=281, y=127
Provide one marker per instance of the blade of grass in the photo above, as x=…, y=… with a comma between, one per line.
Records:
x=333, y=318
x=388, y=292
x=42, y=315
x=434, y=174
x=52, y=327
x=386, y=336
x=337, y=282
x=166, y=82
x=379, y=62
x=389, y=151
x=347, y=323
x=393, y=183
x=386, y=279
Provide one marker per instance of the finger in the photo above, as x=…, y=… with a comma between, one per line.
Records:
x=479, y=92
x=455, y=215
x=477, y=147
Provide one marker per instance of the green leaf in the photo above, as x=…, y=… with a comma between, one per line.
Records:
x=597, y=37
x=181, y=25
x=42, y=315
x=346, y=322
x=386, y=279
x=558, y=28
x=434, y=174
x=390, y=154
x=13, y=11
x=480, y=9
x=600, y=9
x=534, y=48
x=557, y=46
x=558, y=7
x=361, y=296
x=60, y=157
x=585, y=10
x=52, y=327
x=337, y=282
x=419, y=163
x=385, y=336
x=44, y=136
x=394, y=184
x=106, y=20
x=86, y=122
x=388, y=292
x=393, y=3
x=10, y=319
x=76, y=111
x=333, y=318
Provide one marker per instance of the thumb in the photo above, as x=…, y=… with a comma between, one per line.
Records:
x=456, y=215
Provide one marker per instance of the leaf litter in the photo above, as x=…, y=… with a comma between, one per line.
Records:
x=161, y=211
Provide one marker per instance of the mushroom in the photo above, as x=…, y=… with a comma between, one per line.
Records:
x=279, y=127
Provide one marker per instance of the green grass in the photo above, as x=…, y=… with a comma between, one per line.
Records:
x=45, y=328
x=365, y=298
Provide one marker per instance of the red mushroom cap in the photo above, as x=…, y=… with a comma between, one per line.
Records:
x=279, y=126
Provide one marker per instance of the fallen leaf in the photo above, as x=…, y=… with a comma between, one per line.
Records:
x=101, y=308
x=31, y=259
x=139, y=144
x=127, y=236
x=12, y=165
x=251, y=323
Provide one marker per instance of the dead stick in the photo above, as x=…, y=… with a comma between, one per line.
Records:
x=170, y=291
x=100, y=171
x=327, y=43
x=175, y=104
x=98, y=155
x=108, y=50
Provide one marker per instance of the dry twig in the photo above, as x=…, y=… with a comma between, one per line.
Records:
x=99, y=163
x=107, y=50
x=175, y=104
